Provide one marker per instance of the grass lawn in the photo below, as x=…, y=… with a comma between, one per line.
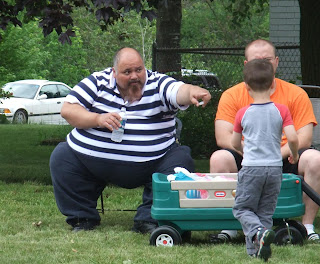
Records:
x=33, y=230
x=25, y=151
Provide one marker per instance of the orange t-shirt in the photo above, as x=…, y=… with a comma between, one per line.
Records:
x=294, y=97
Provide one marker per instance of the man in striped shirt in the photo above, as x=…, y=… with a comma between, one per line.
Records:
x=82, y=166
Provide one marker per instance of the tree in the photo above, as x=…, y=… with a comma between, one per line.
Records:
x=100, y=45
x=309, y=41
x=168, y=36
x=57, y=14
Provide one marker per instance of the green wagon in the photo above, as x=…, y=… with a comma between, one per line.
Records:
x=178, y=214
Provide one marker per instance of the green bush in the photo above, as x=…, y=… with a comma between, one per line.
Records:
x=3, y=119
x=198, y=127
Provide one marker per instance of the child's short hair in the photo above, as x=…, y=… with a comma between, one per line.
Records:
x=258, y=74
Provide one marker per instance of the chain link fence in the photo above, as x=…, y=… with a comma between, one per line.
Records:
x=227, y=62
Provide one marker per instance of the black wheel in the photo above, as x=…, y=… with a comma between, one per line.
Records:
x=20, y=117
x=165, y=236
x=298, y=225
x=287, y=236
x=186, y=236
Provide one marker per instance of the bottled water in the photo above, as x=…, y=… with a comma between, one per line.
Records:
x=117, y=134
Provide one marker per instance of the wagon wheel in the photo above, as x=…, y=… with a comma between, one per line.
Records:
x=298, y=225
x=165, y=236
x=287, y=235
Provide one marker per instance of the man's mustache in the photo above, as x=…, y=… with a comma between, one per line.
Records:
x=135, y=81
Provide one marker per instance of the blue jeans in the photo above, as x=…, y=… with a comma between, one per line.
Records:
x=78, y=179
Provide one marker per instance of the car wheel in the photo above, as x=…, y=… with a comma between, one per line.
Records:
x=20, y=117
x=165, y=236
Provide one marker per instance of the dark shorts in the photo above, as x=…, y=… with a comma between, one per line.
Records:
x=286, y=168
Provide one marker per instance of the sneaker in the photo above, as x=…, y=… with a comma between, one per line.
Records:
x=263, y=239
x=220, y=238
x=314, y=237
x=144, y=227
x=84, y=225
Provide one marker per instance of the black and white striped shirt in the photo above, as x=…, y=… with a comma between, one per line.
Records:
x=150, y=126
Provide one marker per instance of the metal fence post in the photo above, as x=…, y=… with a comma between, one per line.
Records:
x=154, y=56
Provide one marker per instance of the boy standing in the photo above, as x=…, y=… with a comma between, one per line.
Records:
x=259, y=180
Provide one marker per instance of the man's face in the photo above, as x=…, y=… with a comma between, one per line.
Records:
x=130, y=75
x=262, y=51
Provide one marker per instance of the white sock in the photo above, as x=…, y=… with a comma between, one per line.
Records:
x=310, y=228
x=231, y=233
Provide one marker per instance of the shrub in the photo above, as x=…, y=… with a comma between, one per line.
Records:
x=198, y=128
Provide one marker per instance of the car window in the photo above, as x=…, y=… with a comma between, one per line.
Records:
x=50, y=90
x=63, y=90
x=22, y=90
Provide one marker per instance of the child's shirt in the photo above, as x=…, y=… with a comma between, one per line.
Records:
x=262, y=127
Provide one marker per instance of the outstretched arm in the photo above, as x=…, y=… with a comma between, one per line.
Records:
x=191, y=94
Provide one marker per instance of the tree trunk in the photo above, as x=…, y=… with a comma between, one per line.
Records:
x=310, y=41
x=168, y=35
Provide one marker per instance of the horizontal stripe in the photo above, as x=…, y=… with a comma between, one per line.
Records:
x=150, y=126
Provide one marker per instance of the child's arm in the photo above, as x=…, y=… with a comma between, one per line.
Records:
x=293, y=143
x=236, y=141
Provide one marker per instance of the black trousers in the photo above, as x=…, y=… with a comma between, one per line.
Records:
x=78, y=179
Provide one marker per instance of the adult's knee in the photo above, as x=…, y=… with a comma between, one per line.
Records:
x=60, y=161
x=222, y=161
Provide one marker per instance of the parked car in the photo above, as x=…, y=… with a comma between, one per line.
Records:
x=202, y=78
x=34, y=101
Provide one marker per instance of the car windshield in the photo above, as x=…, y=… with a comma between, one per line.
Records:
x=21, y=90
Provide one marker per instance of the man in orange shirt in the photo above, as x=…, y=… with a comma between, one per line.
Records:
x=227, y=159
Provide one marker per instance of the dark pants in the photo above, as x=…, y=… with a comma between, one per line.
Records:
x=78, y=179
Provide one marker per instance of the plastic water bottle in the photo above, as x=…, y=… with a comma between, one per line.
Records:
x=117, y=134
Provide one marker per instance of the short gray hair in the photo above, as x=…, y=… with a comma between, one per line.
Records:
x=118, y=54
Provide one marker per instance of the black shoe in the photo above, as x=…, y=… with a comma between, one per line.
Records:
x=143, y=227
x=84, y=225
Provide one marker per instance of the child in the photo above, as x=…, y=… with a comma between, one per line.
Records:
x=260, y=178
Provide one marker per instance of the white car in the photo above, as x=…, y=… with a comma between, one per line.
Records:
x=34, y=101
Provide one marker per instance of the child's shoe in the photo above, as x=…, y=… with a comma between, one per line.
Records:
x=262, y=241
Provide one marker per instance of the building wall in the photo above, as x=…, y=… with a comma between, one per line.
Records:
x=285, y=31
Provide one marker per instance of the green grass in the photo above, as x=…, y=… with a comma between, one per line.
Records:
x=25, y=152
x=33, y=230
x=23, y=157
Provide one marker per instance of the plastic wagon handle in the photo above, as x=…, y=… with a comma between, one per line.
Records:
x=309, y=191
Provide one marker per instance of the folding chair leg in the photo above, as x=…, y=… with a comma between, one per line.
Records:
x=102, y=206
